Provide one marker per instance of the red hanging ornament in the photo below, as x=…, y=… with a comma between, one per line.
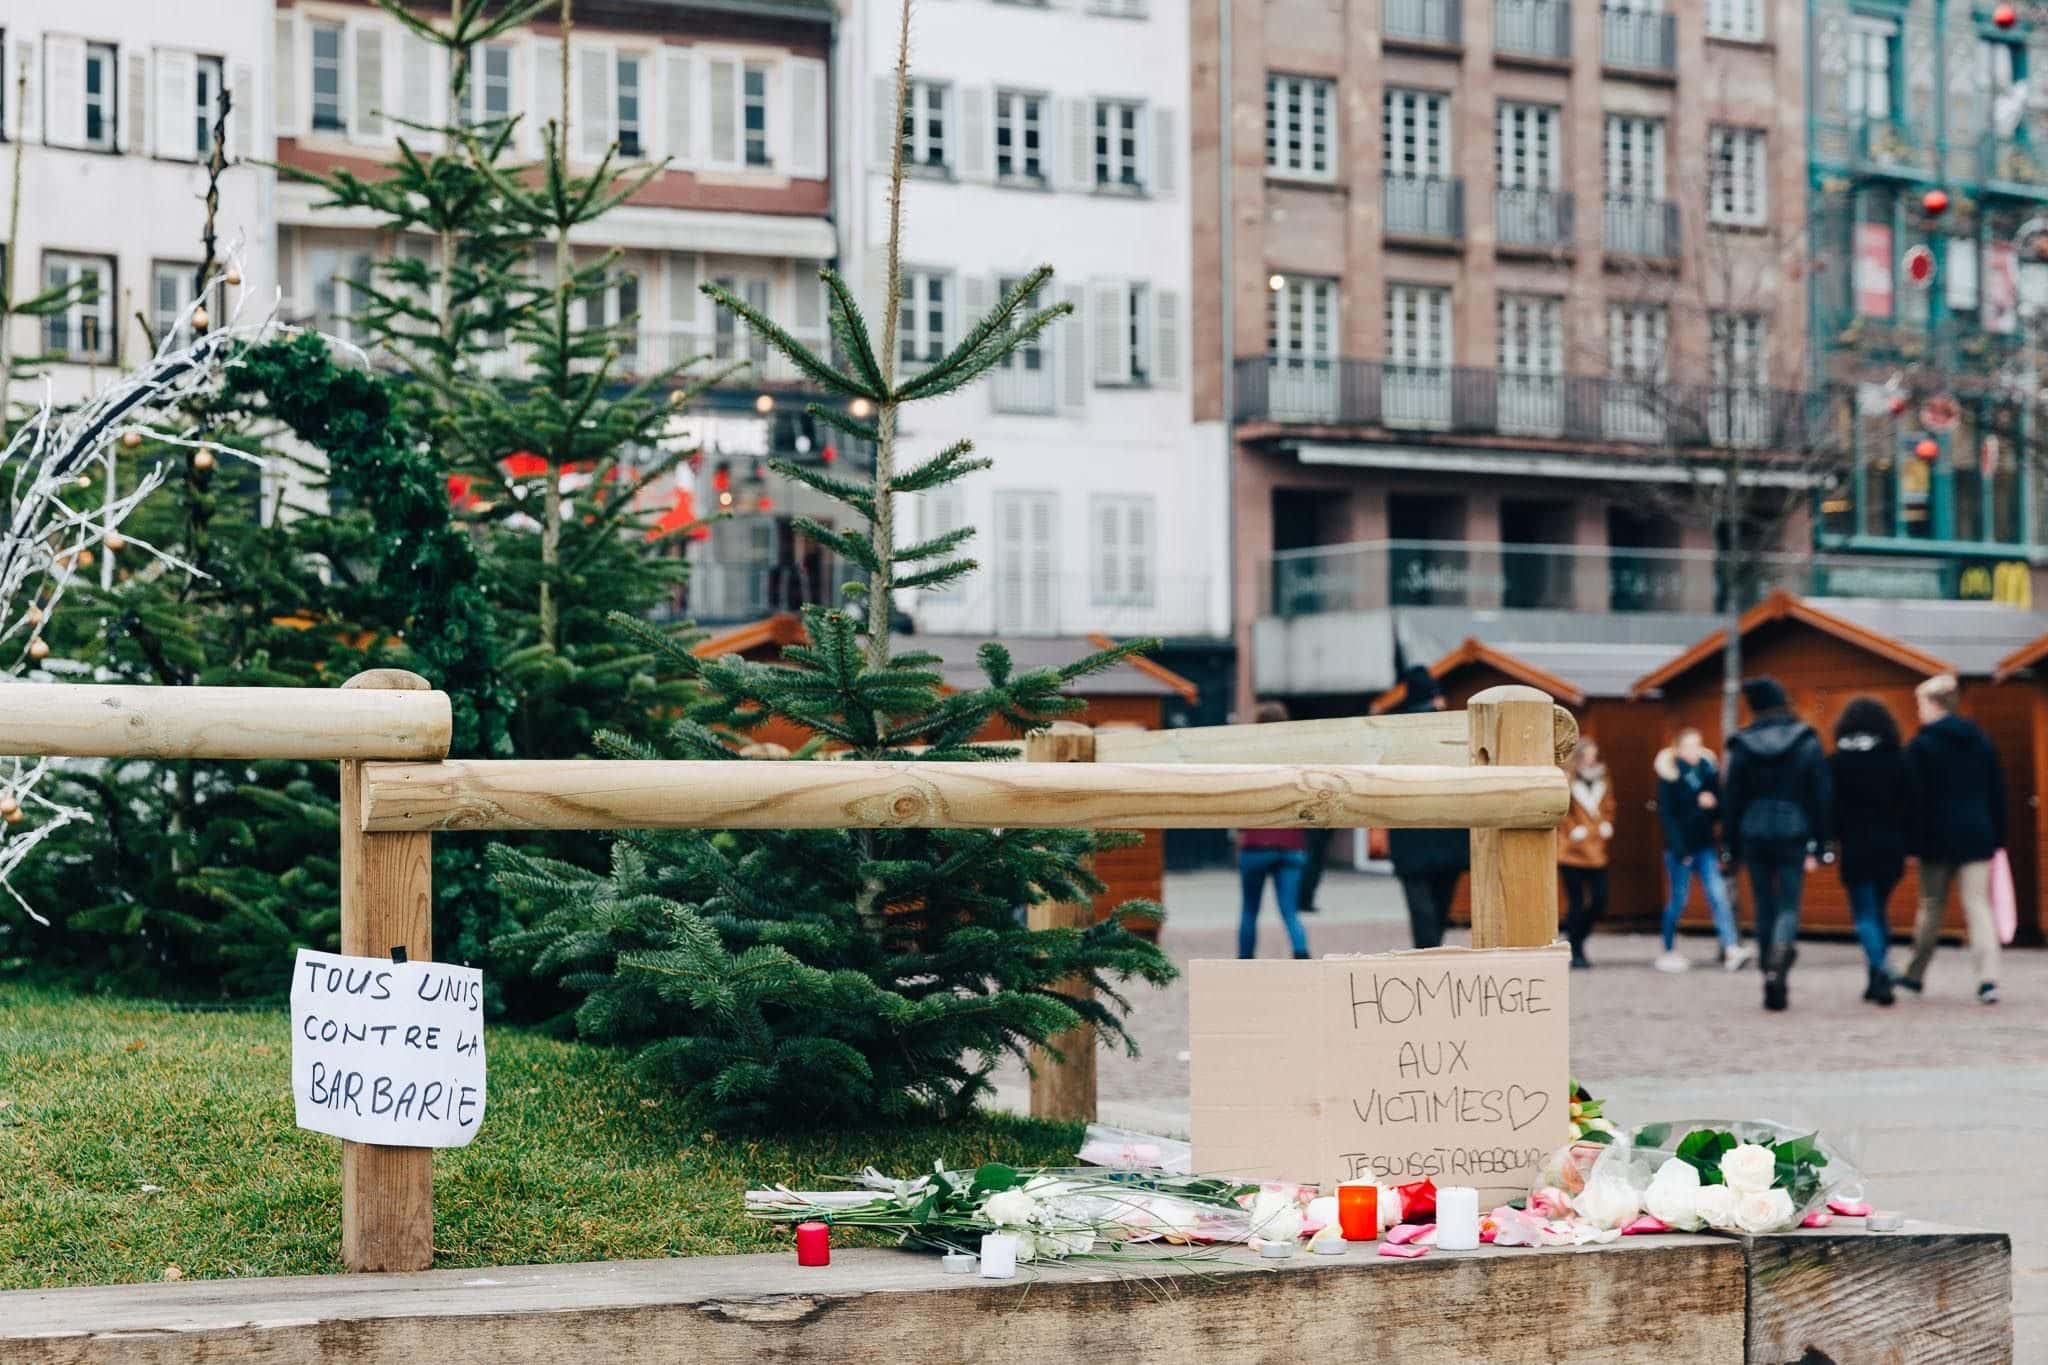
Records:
x=1897, y=404
x=2005, y=16
x=1928, y=448
x=1935, y=202
x=829, y=453
x=721, y=477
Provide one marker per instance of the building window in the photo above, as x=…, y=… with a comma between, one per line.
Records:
x=630, y=104
x=327, y=108
x=1123, y=551
x=1025, y=581
x=207, y=81
x=1024, y=382
x=1735, y=176
x=921, y=321
x=490, y=83
x=1418, y=327
x=1635, y=157
x=1020, y=136
x=924, y=125
x=1742, y=20
x=1123, y=338
x=341, y=290
x=1529, y=146
x=1117, y=145
x=1870, y=66
x=1415, y=134
x=1531, y=334
x=1301, y=321
x=731, y=338
x=83, y=329
x=99, y=96
x=1636, y=334
x=754, y=112
x=170, y=291
x=1298, y=126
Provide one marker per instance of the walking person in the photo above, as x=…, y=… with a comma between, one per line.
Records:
x=1957, y=822
x=1775, y=821
x=1582, y=845
x=1688, y=809
x=1316, y=844
x=1279, y=854
x=1428, y=862
x=1868, y=773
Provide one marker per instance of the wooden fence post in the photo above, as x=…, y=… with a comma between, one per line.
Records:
x=387, y=902
x=1514, y=871
x=1064, y=1089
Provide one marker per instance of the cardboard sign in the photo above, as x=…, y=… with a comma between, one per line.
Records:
x=385, y=1052
x=1448, y=1063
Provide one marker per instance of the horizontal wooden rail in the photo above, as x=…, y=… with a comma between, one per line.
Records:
x=1424, y=737
x=89, y=720
x=475, y=794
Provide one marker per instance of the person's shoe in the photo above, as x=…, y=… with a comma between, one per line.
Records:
x=1671, y=960
x=1909, y=983
x=1879, y=991
x=1776, y=997
x=1303, y=957
x=1987, y=993
x=1579, y=962
x=1310, y=910
x=1737, y=957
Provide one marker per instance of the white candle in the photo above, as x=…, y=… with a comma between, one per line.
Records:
x=998, y=1256
x=1457, y=1218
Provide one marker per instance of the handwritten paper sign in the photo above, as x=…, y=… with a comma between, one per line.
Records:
x=388, y=1052
x=1449, y=1063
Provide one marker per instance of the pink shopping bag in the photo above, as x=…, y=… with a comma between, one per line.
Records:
x=2005, y=911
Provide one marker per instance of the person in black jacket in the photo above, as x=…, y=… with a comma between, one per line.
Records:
x=1958, y=822
x=1868, y=773
x=1775, y=818
x=1428, y=862
x=1688, y=807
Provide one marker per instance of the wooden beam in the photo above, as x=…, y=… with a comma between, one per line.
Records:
x=1514, y=871
x=1063, y=1086
x=477, y=794
x=1431, y=737
x=387, y=902
x=92, y=720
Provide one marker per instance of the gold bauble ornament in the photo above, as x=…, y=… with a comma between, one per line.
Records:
x=13, y=817
x=115, y=542
x=234, y=277
x=131, y=439
x=9, y=808
x=85, y=480
x=203, y=460
x=34, y=615
x=678, y=397
x=85, y=559
x=38, y=648
x=200, y=321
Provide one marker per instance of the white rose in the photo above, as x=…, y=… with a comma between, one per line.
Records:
x=1389, y=1201
x=1608, y=1201
x=1763, y=1210
x=1275, y=1217
x=1010, y=1209
x=1748, y=1168
x=1716, y=1206
x=1674, y=1195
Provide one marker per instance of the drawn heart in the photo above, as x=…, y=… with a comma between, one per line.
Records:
x=1525, y=1106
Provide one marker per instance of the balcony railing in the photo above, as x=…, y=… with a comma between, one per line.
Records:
x=1367, y=575
x=1425, y=206
x=1423, y=21
x=2012, y=161
x=1889, y=145
x=1638, y=40
x=720, y=590
x=1536, y=218
x=1533, y=28
x=1019, y=386
x=1640, y=227
x=1582, y=408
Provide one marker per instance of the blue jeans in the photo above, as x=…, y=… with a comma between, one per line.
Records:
x=1284, y=865
x=1867, y=901
x=1777, y=878
x=1705, y=864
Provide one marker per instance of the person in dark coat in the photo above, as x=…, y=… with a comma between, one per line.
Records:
x=1428, y=862
x=1958, y=822
x=1868, y=774
x=1688, y=808
x=1775, y=809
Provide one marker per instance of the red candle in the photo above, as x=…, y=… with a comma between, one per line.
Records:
x=1358, y=1210
x=813, y=1244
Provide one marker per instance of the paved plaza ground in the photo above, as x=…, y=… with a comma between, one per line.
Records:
x=1941, y=1101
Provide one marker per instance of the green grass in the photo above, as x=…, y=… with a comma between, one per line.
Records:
x=577, y=1160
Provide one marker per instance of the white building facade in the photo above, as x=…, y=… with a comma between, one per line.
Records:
x=1046, y=134
x=112, y=105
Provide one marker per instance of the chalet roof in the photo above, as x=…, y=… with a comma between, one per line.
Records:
x=1573, y=673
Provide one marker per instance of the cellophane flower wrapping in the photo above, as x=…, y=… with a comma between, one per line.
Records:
x=1726, y=1175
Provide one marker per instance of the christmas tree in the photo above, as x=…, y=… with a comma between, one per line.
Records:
x=786, y=977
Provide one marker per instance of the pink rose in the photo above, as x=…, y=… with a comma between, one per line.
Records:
x=1550, y=1202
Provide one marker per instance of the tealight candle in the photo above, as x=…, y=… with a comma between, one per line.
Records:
x=958, y=1263
x=1457, y=1218
x=999, y=1256
x=1358, y=1210
x=813, y=1244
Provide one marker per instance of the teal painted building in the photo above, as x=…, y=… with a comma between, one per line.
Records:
x=1934, y=365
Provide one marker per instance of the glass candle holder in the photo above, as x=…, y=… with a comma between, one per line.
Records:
x=1358, y=1210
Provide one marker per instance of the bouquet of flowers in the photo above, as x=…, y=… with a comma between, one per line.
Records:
x=1745, y=1176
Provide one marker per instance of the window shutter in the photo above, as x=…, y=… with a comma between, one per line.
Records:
x=416, y=86
x=1165, y=152
x=1110, y=306
x=134, y=128
x=177, y=111
x=872, y=289
x=26, y=122
x=683, y=308
x=1166, y=337
x=722, y=77
x=1040, y=613
x=972, y=155
x=806, y=81
x=547, y=91
x=887, y=127
x=1109, y=553
x=64, y=90
x=594, y=107
x=1138, y=549
x=1010, y=561
x=1080, y=140
x=367, y=122
x=809, y=311
x=679, y=114
x=1070, y=342
x=974, y=303
x=242, y=112
x=285, y=85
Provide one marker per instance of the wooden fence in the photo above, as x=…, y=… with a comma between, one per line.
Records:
x=1491, y=768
